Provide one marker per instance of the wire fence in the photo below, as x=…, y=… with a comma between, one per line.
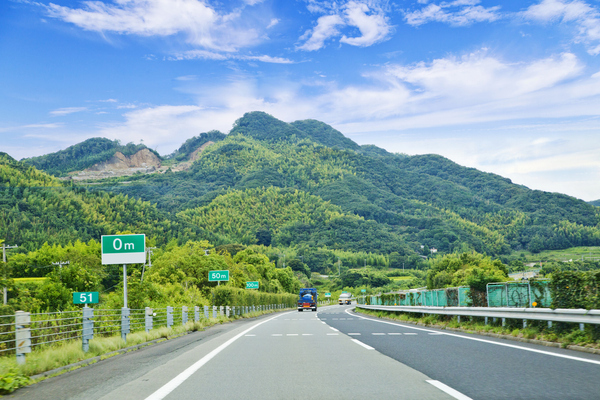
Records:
x=25, y=332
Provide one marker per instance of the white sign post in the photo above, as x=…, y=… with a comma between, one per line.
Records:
x=124, y=249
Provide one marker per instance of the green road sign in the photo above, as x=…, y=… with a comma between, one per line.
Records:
x=327, y=294
x=85, y=297
x=123, y=249
x=218, y=276
x=251, y=285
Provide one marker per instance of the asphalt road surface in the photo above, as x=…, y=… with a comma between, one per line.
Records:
x=332, y=354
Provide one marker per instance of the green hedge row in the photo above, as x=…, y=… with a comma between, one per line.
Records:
x=575, y=289
x=231, y=296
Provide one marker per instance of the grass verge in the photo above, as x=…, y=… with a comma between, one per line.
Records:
x=48, y=358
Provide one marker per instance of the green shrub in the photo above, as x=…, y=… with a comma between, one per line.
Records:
x=12, y=380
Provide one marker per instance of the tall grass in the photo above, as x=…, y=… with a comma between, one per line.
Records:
x=70, y=352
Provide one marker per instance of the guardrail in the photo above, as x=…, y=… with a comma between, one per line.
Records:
x=24, y=332
x=577, y=316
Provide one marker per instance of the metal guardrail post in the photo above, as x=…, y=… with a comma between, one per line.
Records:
x=582, y=327
x=206, y=312
x=22, y=335
x=169, y=316
x=227, y=311
x=125, y=323
x=148, y=322
x=221, y=311
x=524, y=323
x=196, y=314
x=87, y=333
x=214, y=312
x=184, y=315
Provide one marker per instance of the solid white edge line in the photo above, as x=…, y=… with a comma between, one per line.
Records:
x=447, y=389
x=366, y=346
x=487, y=341
x=162, y=392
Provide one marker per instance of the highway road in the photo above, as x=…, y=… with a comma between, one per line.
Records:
x=331, y=354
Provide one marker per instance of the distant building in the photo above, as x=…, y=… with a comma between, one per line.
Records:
x=433, y=250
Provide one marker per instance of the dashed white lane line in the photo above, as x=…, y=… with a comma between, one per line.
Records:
x=307, y=334
x=378, y=334
x=447, y=389
x=410, y=334
x=332, y=334
x=291, y=334
x=249, y=335
x=513, y=346
x=394, y=333
x=354, y=334
x=366, y=346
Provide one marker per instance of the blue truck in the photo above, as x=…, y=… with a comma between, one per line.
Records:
x=308, y=299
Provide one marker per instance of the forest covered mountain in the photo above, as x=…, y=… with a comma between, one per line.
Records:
x=302, y=185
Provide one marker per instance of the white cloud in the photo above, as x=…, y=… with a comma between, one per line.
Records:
x=272, y=23
x=456, y=13
x=373, y=27
x=585, y=17
x=327, y=27
x=67, y=110
x=368, y=16
x=201, y=24
x=207, y=55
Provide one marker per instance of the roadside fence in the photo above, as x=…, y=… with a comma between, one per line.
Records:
x=24, y=332
x=523, y=294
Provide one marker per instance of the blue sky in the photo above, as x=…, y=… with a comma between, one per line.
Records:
x=505, y=86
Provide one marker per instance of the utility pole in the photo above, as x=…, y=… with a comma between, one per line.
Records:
x=149, y=251
x=60, y=264
x=4, y=248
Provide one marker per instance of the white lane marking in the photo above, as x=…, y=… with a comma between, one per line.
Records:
x=394, y=334
x=307, y=334
x=435, y=333
x=322, y=322
x=366, y=346
x=377, y=333
x=277, y=334
x=333, y=329
x=513, y=346
x=162, y=392
x=335, y=319
x=249, y=335
x=354, y=334
x=447, y=389
x=342, y=319
x=332, y=334
x=291, y=334
x=411, y=334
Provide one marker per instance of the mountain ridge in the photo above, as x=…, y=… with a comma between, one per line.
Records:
x=424, y=199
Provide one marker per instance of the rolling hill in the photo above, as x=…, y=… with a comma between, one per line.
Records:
x=382, y=202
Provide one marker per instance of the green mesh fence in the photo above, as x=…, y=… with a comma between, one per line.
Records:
x=519, y=294
x=505, y=294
